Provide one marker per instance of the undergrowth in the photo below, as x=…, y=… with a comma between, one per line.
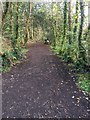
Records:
x=10, y=58
x=84, y=81
x=83, y=74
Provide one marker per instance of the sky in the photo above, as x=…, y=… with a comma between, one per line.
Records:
x=72, y=1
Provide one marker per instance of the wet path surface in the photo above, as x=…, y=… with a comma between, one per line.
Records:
x=42, y=87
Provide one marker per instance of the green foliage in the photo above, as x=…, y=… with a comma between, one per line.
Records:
x=72, y=39
x=14, y=30
x=6, y=63
x=62, y=25
x=10, y=58
x=84, y=81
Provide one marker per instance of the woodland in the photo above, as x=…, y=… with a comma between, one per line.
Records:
x=64, y=24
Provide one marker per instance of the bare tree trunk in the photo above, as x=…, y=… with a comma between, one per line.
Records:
x=31, y=18
x=76, y=18
x=81, y=25
x=5, y=11
x=89, y=33
x=4, y=14
x=53, y=33
x=65, y=17
x=27, y=33
x=10, y=10
x=69, y=20
x=16, y=27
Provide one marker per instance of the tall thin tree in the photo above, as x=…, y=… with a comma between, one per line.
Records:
x=81, y=24
x=80, y=46
x=5, y=10
x=65, y=17
x=76, y=17
x=69, y=20
x=16, y=27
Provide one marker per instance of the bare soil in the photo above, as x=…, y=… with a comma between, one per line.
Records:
x=41, y=86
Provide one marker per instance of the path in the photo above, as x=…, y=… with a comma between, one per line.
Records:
x=41, y=86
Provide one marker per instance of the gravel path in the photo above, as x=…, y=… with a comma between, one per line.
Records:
x=41, y=86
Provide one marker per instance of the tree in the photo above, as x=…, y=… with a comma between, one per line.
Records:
x=65, y=18
x=69, y=20
x=76, y=18
x=89, y=33
x=5, y=10
x=16, y=26
x=81, y=48
x=10, y=10
x=53, y=24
